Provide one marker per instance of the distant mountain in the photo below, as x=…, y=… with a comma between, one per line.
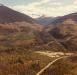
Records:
x=19, y=31
x=61, y=19
x=43, y=20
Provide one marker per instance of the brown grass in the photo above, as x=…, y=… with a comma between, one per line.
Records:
x=21, y=62
x=63, y=67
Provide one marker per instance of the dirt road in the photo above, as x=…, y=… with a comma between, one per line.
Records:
x=46, y=67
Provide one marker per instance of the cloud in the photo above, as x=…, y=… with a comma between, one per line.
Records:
x=38, y=2
x=28, y=9
x=52, y=9
x=45, y=1
x=31, y=8
x=75, y=2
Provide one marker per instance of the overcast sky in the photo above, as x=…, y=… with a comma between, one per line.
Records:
x=39, y=7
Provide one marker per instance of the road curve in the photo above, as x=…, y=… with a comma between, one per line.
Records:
x=46, y=67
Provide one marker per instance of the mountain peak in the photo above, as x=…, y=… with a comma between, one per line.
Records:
x=8, y=15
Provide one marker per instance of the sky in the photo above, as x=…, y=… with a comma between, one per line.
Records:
x=35, y=8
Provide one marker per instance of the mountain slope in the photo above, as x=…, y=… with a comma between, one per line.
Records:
x=19, y=31
x=8, y=15
x=65, y=31
x=61, y=19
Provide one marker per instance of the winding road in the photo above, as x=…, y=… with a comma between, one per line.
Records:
x=46, y=67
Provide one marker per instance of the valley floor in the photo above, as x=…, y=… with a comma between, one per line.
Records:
x=64, y=66
x=22, y=62
x=26, y=62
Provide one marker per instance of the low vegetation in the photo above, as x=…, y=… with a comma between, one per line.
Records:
x=22, y=62
x=63, y=67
